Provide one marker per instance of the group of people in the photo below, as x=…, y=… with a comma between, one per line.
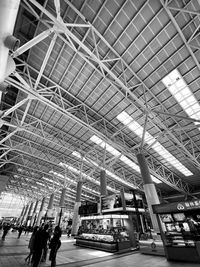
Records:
x=20, y=228
x=40, y=240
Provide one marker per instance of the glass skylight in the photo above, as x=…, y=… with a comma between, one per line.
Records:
x=123, y=158
x=102, y=144
x=85, y=176
x=62, y=177
x=151, y=141
x=40, y=183
x=181, y=92
x=51, y=181
x=78, y=155
x=114, y=176
x=73, y=182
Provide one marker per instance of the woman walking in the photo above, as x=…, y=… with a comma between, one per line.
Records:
x=28, y=259
x=54, y=245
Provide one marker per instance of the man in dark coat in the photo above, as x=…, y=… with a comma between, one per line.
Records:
x=6, y=228
x=40, y=243
x=20, y=229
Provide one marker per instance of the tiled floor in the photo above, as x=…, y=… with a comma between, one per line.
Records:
x=13, y=252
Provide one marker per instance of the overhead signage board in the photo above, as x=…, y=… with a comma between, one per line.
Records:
x=114, y=203
x=111, y=202
x=177, y=206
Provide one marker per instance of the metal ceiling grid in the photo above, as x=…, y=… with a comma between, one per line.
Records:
x=101, y=94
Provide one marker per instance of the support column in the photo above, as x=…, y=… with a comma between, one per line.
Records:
x=76, y=217
x=103, y=188
x=24, y=215
x=123, y=199
x=149, y=189
x=29, y=212
x=61, y=205
x=34, y=214
x=50, y=212
x=21, y=215
x=62, y=197
x=50, y=205
x=40, y=213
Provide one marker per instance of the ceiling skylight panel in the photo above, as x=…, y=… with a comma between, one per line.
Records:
x=150, y=140
x=182, y=94
x=77, y=154
x=83, y=175
x=102, y=144
x=123, y=158
x=179, y=97
x=194, y=110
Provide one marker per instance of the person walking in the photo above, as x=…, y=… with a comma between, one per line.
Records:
x=47, y=237
x=69, y=231
x=6, y=228
x=20, y=229
x=40, y=244
x=54, y=245
x=28, y=259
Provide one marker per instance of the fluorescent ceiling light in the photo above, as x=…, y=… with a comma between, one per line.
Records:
x=123, y=158
x=114, y=176
x=181, y=92
x=151, y=141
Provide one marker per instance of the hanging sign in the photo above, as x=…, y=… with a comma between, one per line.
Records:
x=177, y=206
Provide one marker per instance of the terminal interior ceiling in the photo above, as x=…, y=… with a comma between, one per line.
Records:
x=96, y=83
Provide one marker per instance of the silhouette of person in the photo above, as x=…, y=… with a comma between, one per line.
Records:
x=20, y=229
x=54, y=245
x=31, y=245
x=6, y=228
x=40, y=243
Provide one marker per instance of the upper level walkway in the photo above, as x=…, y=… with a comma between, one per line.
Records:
x=13, y=252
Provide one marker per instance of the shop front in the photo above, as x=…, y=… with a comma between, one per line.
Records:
x=111, y=226
x=180, y=229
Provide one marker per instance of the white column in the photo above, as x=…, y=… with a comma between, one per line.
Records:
x=40, y=212
x=76, y=216
x=149, y=189
x=34, y=213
